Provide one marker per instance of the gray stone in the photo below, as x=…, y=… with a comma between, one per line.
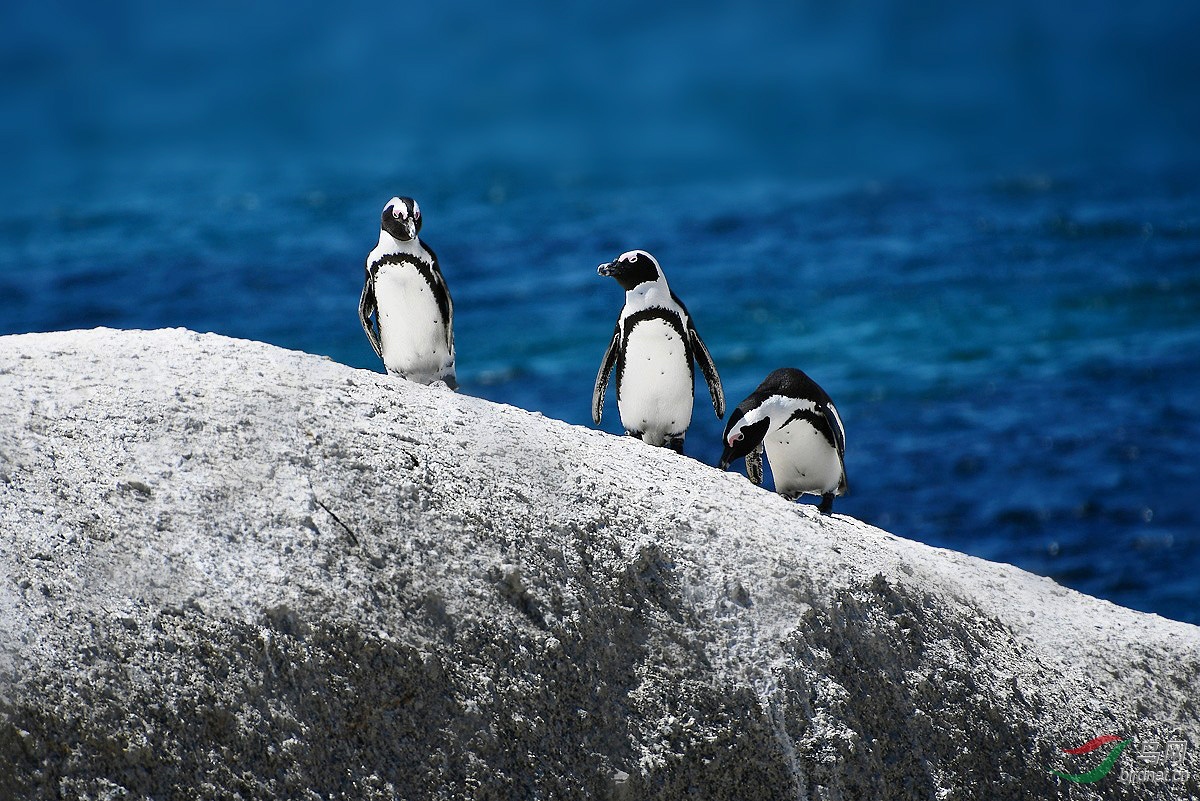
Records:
x=231, y=571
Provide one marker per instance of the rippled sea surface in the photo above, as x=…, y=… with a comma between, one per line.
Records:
x=1015, y=353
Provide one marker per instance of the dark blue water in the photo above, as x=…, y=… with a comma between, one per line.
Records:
x=978, y=229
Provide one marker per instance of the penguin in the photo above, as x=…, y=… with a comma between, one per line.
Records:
x=654, y=349
x=803, y=434
x=413, y=325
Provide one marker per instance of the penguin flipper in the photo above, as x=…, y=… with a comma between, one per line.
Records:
x=830, y=425
x=367, y=305
x=754, y=467
x=606, y=367
x=442, y=293
x=709, y=369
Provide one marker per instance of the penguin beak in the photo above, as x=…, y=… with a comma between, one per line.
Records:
x=727, y=457
x=607, y=270
x=410, y=228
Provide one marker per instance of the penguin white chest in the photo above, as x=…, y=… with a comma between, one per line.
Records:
x=654, y=395
x=802, y=460
x=411, y=326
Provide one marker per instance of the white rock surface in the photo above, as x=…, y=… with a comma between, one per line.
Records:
x=229, y=570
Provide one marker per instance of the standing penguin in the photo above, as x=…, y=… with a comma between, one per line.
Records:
x=653, y=347
x=803, y=434
x=413, y=329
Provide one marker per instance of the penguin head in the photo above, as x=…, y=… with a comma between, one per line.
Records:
x=632, y=268
x=402, y=218
x=743, y=434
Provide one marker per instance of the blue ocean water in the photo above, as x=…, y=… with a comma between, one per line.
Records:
x=978, y=229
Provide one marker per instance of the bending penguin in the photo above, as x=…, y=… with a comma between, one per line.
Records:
x=805, y=441
x=654, y=349
x=413, y=325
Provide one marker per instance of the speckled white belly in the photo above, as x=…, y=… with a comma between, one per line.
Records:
x=802, y=460
x=410, y=326
x=655, y=395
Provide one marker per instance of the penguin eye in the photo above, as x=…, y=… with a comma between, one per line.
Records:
x=736, y=436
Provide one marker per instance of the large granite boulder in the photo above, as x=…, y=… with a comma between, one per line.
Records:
x=229, y=570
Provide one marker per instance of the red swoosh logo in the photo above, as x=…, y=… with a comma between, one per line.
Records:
x=1092, y=745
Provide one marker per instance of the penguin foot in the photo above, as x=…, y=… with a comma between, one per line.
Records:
x=826, y=506
x=674, y=443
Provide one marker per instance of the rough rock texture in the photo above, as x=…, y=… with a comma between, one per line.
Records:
x=233, y=571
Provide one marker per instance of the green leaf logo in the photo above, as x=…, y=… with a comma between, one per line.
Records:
x=1100, y=771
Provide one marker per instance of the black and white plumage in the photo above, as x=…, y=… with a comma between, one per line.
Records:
x=802, y=432
x=413, y=325
x=654, y=350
